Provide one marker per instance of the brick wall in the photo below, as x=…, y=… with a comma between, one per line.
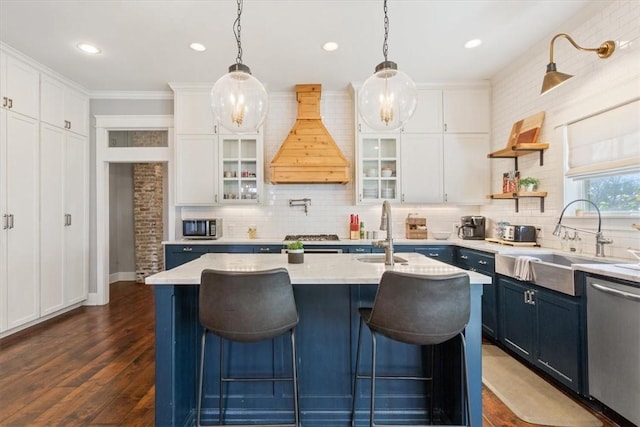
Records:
x=148, y=208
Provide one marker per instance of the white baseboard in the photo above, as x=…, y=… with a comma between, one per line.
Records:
x=122, y=276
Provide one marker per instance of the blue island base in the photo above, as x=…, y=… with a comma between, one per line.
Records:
x=326, y=346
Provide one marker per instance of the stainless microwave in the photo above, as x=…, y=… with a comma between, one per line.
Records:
x=202, y=228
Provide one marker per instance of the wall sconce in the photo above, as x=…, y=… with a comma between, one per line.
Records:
x=554, y=78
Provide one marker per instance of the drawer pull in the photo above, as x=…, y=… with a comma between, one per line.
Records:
x=482, y=262
x=187, y=249
x=434, y=255
x=464, y=257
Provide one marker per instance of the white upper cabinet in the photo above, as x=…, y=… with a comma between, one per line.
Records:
x=428, y=115
x=240, y=169
x=421, y=166
x=196, y=170
x=63, y=106
x=19, y=86
x=466, y=110
x=466, y=168
x=192, y=111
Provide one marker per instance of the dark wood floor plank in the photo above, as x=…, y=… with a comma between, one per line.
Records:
x=95, y=367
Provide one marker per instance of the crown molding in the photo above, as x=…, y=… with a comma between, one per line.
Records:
x=134, y=95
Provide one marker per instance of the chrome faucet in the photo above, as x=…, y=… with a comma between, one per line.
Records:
x=385, y=224
x=600, y=239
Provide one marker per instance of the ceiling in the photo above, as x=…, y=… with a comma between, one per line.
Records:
x=145, y=43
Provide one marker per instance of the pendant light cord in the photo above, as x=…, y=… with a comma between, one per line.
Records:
x=236, y=32
x=385, y=46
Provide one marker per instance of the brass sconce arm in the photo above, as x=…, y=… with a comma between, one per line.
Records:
x=605, y=50
x=554, y=78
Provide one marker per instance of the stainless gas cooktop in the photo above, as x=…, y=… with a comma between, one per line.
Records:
x=311, y=237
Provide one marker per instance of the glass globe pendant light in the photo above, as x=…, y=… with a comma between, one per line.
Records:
x=388, y=98
x=238, y=100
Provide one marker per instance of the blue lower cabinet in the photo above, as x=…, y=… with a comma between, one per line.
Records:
x=176, y=255
x=439, y=253
x=483, y=262
x=545, y=328
x=267, y=249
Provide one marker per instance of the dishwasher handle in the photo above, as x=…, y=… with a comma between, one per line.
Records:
x=616, y=292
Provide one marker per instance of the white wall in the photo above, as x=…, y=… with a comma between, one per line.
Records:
x=598, y=84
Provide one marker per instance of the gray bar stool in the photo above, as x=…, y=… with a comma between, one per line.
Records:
x=415, y=309
x=247, y=307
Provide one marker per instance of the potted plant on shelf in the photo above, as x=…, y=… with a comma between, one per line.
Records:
x=295, y=252
x=529, y=184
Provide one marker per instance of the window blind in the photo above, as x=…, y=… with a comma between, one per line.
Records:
x=605, y=143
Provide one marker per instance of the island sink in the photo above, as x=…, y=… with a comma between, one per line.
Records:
x=381, y=259
x=552, y=271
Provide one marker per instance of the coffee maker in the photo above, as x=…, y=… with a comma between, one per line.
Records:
x=471, y=228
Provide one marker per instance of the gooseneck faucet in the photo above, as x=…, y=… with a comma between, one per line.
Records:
x=600, y=239
x=385, y=224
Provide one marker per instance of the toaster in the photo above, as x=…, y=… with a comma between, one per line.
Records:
x=520, y=233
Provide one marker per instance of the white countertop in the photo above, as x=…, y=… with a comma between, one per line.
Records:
x=316, y=269
x=608, y=269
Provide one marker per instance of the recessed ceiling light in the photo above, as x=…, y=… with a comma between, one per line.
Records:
x=473, y=43
x=330, y=46
x=88, y=48
x=198, y=47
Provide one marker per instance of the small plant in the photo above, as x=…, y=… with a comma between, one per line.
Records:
x=297, y=245
x=529, y=182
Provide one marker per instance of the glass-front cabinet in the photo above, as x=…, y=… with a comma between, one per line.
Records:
x=377, y=169
x=240, y=169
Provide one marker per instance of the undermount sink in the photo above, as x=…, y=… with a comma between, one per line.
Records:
x=379, y=259
x=553, y=271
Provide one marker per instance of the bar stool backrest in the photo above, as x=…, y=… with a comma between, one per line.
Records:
x=419, y=309
x=247, y=306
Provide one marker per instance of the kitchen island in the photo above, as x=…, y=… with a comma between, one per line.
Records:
x=328, y=289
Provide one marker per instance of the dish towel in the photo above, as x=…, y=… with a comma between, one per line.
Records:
x=522, y=269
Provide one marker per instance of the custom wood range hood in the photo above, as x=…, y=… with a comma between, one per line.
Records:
x=309, y=154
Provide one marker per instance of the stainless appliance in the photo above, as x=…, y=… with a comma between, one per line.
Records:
x=471, y=228
x=613, y=319
x=520, y=233
x=314, y=238
x=202, y=228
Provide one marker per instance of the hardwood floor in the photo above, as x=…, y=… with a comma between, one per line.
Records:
x=95, y=367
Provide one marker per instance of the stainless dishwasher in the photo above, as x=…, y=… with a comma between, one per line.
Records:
x=613, y=328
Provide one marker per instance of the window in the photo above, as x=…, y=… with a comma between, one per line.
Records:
x=603, y=159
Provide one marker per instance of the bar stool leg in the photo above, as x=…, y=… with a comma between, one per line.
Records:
x=200, y=377
x=373, y=377
x=355, y=378
x=463, y=346
x=221, y=382
x=294, y=363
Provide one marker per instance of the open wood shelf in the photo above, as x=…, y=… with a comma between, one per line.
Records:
x=519, y=195
x=520, y=149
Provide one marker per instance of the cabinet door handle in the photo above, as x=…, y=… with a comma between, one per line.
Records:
x=215, y=128
x=69, y=216
x=402, y=198
x=5, y=101
x=10, y=103
x=187, y=249
x=434, y=255
x=10, y=221
x=464, y=257
x=5, y=221
x=531, y=300
x=526, y=297
x=215, y=198
x=445, y=127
